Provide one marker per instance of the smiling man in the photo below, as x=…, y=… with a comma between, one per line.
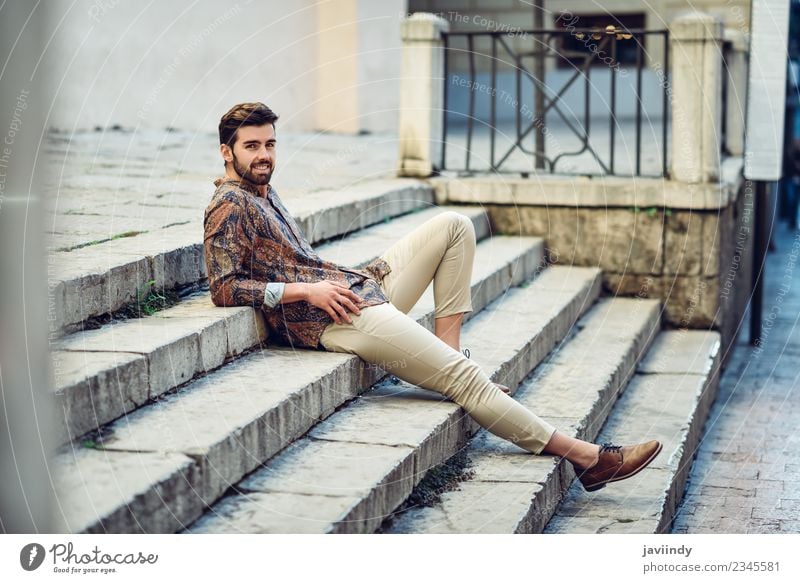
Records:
x=256, y=255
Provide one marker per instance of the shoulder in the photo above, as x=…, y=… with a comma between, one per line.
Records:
x=228, y=193
x=228, y=199
x=228, y=209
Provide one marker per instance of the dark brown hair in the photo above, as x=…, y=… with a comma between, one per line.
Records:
x=241, y=115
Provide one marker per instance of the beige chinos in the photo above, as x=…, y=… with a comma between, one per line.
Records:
x=443, y=250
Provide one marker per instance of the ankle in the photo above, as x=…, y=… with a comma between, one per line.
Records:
x=591, y=458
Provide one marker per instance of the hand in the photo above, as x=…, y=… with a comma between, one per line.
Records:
x=334, y=298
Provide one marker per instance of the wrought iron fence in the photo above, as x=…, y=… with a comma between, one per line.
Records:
x=553, y=54
x=727, y=48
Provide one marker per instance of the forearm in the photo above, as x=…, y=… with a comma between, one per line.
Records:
x=294, y=292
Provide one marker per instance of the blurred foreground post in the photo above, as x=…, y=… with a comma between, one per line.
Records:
x=26, y=415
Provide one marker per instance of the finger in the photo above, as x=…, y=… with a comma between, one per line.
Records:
x=354, y=299
x=341, y=310
x=351, y=306
x=333, y=314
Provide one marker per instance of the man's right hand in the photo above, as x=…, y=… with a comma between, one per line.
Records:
x=335, y=298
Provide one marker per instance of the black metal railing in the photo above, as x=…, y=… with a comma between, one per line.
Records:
x=727, y=48
x=552, y=57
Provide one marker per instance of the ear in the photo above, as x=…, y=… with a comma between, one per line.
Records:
x=226, y=152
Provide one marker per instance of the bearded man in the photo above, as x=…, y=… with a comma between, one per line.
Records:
x=256, y=255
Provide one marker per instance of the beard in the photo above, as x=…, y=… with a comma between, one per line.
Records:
x=260, y=179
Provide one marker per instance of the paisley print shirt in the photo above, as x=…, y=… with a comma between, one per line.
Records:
x=251, y=240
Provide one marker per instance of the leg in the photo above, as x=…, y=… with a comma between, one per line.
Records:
x=442, y=250
x=448, y=329
x=577, y=451
x=385, y=336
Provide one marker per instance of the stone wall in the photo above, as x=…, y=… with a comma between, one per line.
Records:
x=332, y=66
x=696, y=261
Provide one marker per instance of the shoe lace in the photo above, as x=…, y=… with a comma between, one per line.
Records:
x=609, y=447
x=466, y=352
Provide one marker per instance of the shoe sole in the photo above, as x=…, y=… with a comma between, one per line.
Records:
x=602, y=484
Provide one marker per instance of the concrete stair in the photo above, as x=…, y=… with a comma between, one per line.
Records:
x=669, y=399
x=101, y=279
x=359, y=464
x=101, y=375
x=204, y=428
x=162, y=464
x=511, y=491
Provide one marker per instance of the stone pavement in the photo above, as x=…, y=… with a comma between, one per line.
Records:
x=124, y=184
x=108, y=184
x=747, y=475
x=103, y=185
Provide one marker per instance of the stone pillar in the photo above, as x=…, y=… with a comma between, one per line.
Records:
x=696, y=80
x=337, y=73
x=736, y=65
x=421, y=94
x=358, y=65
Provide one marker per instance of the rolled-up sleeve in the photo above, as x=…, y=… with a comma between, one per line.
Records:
x=273, y=294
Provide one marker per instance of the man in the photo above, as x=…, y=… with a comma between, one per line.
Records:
x=257, y=256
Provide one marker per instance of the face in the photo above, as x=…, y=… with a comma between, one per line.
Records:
x=253, y=155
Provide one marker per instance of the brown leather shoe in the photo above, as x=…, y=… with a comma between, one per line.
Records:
x=616, y=463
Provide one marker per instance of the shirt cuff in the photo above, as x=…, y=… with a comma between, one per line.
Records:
x=273, y=293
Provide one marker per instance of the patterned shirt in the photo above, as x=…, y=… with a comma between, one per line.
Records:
x=251, y=240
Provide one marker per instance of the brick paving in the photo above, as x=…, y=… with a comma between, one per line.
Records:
x=746, y=478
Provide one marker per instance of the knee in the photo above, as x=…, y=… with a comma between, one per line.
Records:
x=460, y=225
x=470, y=386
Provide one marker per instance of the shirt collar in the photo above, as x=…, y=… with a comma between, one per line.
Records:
x=245, y=185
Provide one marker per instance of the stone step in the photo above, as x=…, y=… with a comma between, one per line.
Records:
x=669, y=399
x=164, y=463
x=101, y=279
x=100, y=375
x=363, y=461
x=511, y=491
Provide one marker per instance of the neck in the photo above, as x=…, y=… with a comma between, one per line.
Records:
x=262, y=188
